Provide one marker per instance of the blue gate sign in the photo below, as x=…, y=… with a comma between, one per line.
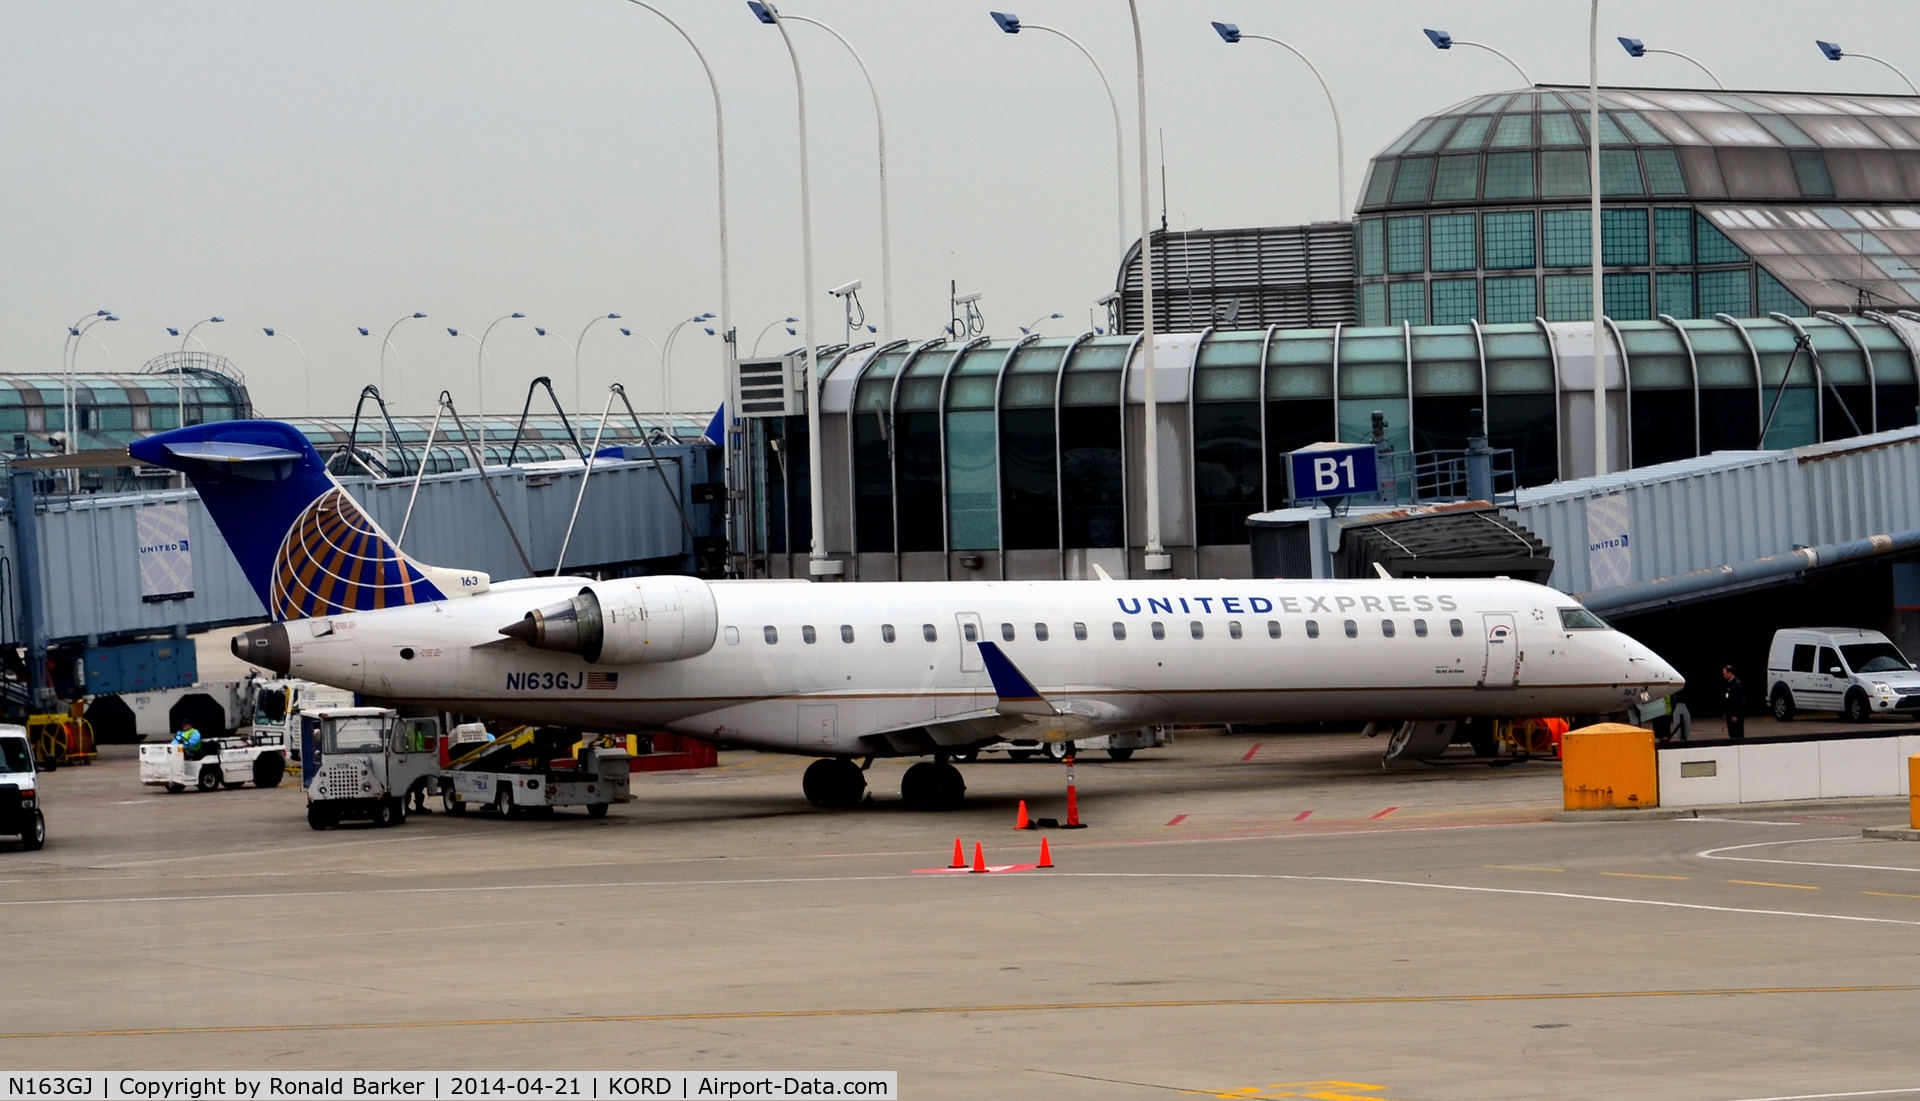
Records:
x=1332, y=470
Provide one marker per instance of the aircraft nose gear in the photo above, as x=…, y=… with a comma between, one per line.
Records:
x=834, y=782
x=933, y=785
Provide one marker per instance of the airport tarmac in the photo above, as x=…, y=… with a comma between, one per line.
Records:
x=1246, y=916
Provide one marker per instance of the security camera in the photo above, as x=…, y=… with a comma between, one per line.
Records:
x=1107, y=299
x=845, y=289
x=967, y=299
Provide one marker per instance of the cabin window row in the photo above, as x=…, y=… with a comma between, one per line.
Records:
x=1010, y=633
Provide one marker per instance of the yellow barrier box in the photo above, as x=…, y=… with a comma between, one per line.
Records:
x=1609, y=766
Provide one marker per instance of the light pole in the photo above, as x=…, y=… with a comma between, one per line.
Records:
x=578, y=343
x=1835, y=53
x=386, y=341
x=1012, y=25
x=657, y=356
x=1155, y=557
x=666, y=360
x=179, y=387
x=306, y=368
x=817, y=564
x=480, y=374
x=78, y=331
x=1232, y=34
x=1599, y=260
x=768, y=329
x=880, y=122
x=1637, y=48
x=1443, y=40
x=538, y=331
x=1035, y=323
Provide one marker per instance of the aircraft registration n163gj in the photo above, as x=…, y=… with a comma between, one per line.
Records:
x=849, y=671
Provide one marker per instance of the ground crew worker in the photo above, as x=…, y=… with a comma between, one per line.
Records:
x=188, y=739
x=1736, y=703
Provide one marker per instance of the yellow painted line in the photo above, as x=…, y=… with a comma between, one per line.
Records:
x=1522, y=868
x=909, y=1011
x=1641, y=875
x=1763, y=883
x=1888, y=894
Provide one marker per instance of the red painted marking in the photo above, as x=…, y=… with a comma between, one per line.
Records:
x=1251, y=752
x=990, y=868
x=1383, y=813
x=1302, y=816
x=1177, y=819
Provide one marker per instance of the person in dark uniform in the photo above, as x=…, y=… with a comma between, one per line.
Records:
x=1735, y=703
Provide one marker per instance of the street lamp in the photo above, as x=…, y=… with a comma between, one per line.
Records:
x=1595, y=244
x=666, y=360
x=1637, y=48
x=386, y=341
x=1154, y=557
x=880, y=122
x=578, y=343
x=1232, y=34
x=1835, y=53
x=78, y=331
x=1036, y=322
x=179, y=388
x=305, y=367
x=657, y=356
x=480, y=373
x=1012, y=25
x=817, y=563
x=1444, y=41
x=769, y=328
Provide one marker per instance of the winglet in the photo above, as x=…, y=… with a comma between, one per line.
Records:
x=1101, y=572
x=1017, y=694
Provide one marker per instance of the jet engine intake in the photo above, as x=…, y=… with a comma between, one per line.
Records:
x=627, y=622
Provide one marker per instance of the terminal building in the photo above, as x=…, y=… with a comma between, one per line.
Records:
x=1762, y=256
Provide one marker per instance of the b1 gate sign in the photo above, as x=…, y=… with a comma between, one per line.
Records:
x=1332, y=470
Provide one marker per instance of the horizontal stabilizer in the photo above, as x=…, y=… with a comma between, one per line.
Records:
x=1017, y=694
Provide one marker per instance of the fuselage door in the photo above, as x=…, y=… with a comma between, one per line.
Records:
x=817, y=726
x=970, y=636
x=1503, y=652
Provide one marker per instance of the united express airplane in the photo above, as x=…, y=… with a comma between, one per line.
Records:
x=848, y=672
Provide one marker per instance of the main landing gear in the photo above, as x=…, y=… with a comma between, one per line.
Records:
x=834, y=782
x=933, y=785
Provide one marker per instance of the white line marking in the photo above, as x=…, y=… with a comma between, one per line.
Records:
x=1815, y=1096
x=1713, y=854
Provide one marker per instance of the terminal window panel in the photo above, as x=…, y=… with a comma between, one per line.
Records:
x=1455, y=301
x=1029, y=494
x=1673, y=235
x=1226, y=469
x=1559, y=128
x=1623, y=237
x=1356, y=420
x=1508, y=241
x=1525, y=425
x=1514, y=131
x=1728, y=292
x=1093, y=505
x=1379, y=184
x=973, y=481
x=1776, y=298
x=1569, y=238
x=1450, y=242
x=1663, y=172
x=1407, y=302
x=1511, y=300
x=1406, y=245
x=1293, y=423
x=1795, y=414
x=1662, y=426
x=1373, y=304
x=1473, y=130
x=1810, y=171
x=1852, y=400
x=1899, y=405
x=1674, y=291
x=1411, y=182
x=1443, y=422
x=1729, y=420
x=1712, y=246
x=1627, y=297
x=1569, y=297
x=1372, y=246
x=873, y=482
x=916, y=454
x=1509, y=176
x=1458, y=179
x=1563, y=174
x=1620, y=173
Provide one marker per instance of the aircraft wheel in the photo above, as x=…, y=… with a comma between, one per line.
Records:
x=834, y=782
x=931, y=785
x=209, y=779
x=1120, y=754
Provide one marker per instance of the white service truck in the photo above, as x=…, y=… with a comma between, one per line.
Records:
x=1118, y=746
x=276, y=706
x=232, y=761
x=365, y=762
x=20, y=790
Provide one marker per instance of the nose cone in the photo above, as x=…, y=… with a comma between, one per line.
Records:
x=265, y=647
x=1662, y=679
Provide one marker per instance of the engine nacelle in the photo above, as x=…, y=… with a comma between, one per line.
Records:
x=631, y=621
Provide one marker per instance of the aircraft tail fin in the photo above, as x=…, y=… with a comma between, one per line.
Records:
x=305, y=545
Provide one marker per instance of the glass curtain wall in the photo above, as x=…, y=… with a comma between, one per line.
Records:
x=1299, y=400
x=973, y=476
x=1030, y=447
x=872, y=452
x=1226, y=436
x=1093, y=484
x=916, y=453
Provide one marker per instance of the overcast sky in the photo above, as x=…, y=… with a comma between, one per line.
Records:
x=322, y=166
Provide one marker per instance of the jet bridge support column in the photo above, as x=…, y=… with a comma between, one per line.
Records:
x=26, y=553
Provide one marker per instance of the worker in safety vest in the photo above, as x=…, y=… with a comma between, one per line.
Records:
x=188, y=739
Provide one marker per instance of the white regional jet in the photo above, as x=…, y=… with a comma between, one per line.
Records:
x=843, y=672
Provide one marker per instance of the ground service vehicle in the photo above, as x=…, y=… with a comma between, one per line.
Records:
x=276, y=706
x=365, y=762
x=20, y=790
x=532, y=771
x=1857, y=673
x=1119, y=746
x=232, y=760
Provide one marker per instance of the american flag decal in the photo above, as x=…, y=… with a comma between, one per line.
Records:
x=606, y=681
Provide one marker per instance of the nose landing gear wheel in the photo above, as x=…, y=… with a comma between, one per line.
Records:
x=834, y=782
x=933, y=785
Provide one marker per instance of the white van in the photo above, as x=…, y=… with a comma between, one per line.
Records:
x=1857, y=673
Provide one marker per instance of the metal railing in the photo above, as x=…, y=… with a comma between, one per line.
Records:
x=1436, y=477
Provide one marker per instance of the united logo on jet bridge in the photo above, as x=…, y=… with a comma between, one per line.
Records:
x=1301, y=605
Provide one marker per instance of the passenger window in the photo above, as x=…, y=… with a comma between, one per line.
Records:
x=1353, y=629
x=773, y=635
x=1159, y=631
x=1803, y=659
x=1420, y=628
x=846, y=632
x=733, y=636
x=886, y=632
x=1313, y=628
x=927, y=632
x=808, y=636
x=1197, y=629
x=1080, y=631
x=1233, y=628
x=1273, y=628
x=1040, y=632
x=1830, y=662
x=1386, y=628
x=1006, y=632
x=1119, y=630
x=1456, y=627
x=969, y=632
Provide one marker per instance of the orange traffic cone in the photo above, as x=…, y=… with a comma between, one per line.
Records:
x=1046, y=858
x=959, y=855
x=1021, y=822
x=979, y=858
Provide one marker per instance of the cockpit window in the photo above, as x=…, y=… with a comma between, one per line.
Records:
x=1875, y=657
x=1579, y=619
